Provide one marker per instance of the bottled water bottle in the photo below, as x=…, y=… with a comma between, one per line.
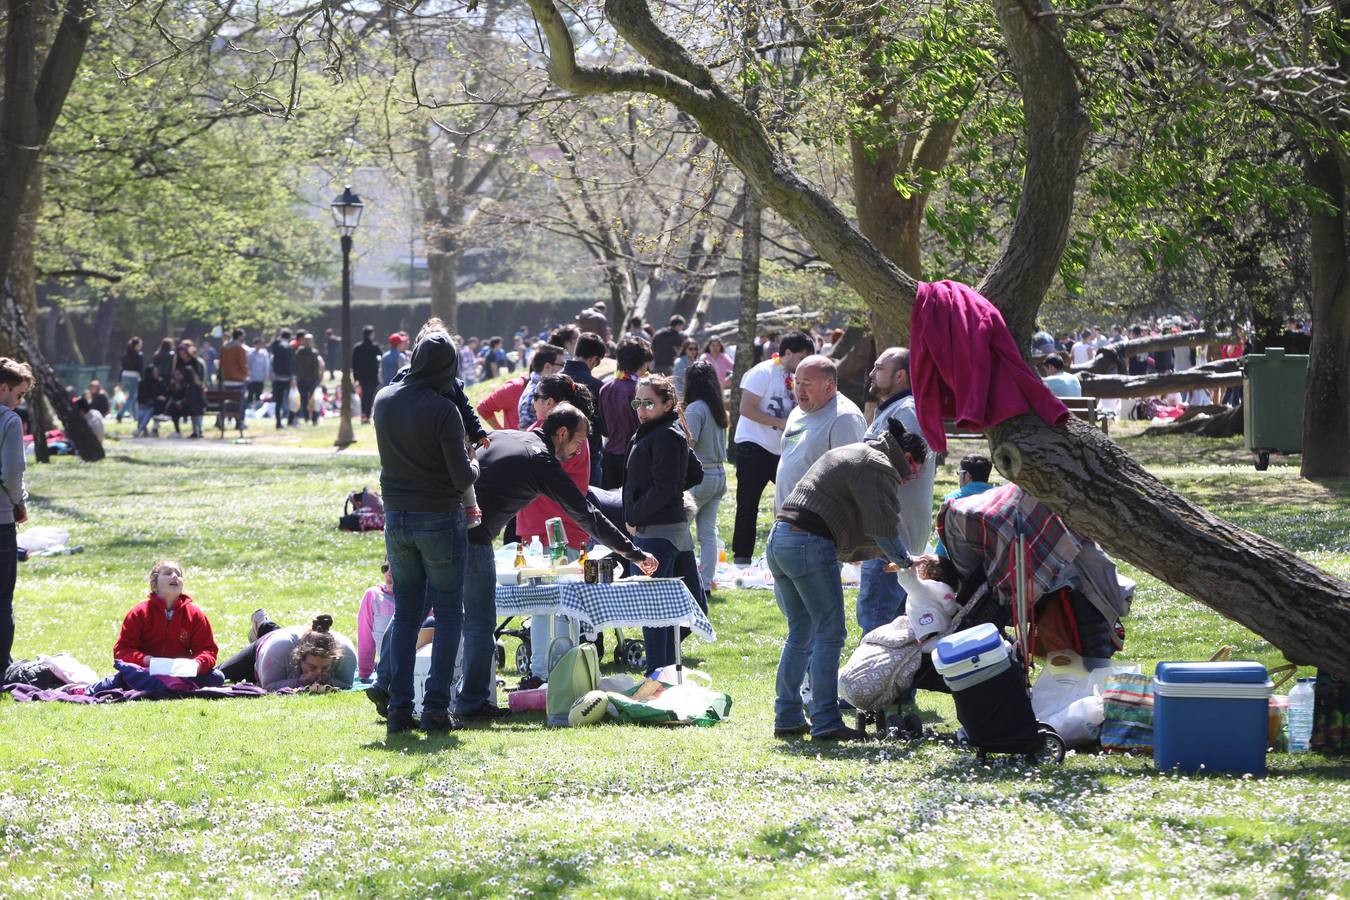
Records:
x=535, y=553
x=1301, y=716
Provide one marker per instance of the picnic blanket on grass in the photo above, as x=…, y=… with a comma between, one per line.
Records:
x=132, y=682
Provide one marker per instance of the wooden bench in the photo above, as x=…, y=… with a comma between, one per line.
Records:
x=1086, y=409
x=225, y=403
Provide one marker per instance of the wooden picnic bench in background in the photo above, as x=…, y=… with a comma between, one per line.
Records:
x=225, y=403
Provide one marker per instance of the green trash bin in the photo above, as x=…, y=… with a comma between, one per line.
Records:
x=1273, y=385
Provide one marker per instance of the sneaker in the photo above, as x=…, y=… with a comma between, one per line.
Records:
x=257, y=619
x=487, y=713
x=843, y=733
x=795, y=731
x=440, y=722
x=380, y=697
x=530, y=683
x=400, y=722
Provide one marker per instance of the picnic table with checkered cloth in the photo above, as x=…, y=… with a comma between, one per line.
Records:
x=626, y=603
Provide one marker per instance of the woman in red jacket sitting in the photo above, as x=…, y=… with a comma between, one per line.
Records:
x=167, y=633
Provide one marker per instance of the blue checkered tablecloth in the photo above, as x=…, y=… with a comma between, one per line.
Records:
x=627, y=603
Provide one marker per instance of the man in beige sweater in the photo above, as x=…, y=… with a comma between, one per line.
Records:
x=846, y=508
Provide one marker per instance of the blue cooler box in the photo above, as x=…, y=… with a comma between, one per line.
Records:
x=1211, y=716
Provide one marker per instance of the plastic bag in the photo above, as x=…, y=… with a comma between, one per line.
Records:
x=1064, y=679
x=1079, y=723
x=293, y=399
x=72, y=671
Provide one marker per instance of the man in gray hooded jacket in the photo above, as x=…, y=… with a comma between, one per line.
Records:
x=424, y=471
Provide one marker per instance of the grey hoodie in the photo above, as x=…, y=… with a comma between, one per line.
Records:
x=423, y=464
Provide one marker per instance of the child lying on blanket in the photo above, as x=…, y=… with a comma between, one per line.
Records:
x=167, y=633
x=316, y=659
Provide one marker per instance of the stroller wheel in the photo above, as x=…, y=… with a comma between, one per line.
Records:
x=634, y=654
x=1049, y=747
x=499, y=649
x=523, y=658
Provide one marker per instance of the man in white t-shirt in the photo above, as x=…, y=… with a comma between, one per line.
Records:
x=766, y=400
x=1084, y=350
x=824, y=419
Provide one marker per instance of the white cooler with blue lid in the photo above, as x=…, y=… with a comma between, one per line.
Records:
x=1211, y=716
x=972, y=656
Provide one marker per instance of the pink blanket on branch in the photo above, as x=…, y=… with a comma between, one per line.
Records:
x=965, y=365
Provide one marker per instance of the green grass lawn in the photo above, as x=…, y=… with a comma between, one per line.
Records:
x=303, y=795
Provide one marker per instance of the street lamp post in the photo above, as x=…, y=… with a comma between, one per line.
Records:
x=347, y=210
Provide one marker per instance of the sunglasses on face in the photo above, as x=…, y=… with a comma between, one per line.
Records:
x=642, y=404
x=384, y=568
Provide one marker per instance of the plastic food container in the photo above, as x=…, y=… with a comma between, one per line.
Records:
x=972, y=656
x=1211, y=716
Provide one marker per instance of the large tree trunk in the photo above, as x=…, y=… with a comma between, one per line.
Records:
x=1078, y=472
x=1135, y=346
x=1221, y=374
x=1326, y=410
x=77, y=429
x=443, y=272
x=104, y=320
x=751, y=225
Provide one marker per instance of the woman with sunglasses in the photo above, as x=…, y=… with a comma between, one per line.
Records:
x=661, y=467
x=687, y=357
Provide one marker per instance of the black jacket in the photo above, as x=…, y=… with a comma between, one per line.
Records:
x=578, y=372
x=366, y=362
x=283, y=360
x=661, y=467
x=423, y=464
x=520, y=466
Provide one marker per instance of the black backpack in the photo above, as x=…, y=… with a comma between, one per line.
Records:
x=363, y=511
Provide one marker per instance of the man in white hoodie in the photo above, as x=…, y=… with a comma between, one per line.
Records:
x=880, y=597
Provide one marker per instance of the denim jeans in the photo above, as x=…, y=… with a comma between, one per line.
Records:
x=480, y=615
x=427, y=559
x=708, y=497
x=131, y=386
x=9, y=572
x=143, y=417
x=670, y=563
x=880, y=596
x=805, y=568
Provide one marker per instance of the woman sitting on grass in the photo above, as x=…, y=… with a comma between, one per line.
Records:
x=167, y=625
x=316, y=659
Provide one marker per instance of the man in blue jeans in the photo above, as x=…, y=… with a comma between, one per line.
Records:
x=424, y=470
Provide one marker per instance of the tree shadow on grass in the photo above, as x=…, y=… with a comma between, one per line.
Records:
x=414, y=742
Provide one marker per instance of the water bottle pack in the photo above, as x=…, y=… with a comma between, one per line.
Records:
x=1301, y=716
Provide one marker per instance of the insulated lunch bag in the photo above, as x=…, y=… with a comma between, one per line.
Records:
x=575, y=675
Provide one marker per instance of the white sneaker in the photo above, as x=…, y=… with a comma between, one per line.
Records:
x=259, y=616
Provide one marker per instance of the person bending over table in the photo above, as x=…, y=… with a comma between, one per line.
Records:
x=846, y=508
x=517, y=468
x=316, y=659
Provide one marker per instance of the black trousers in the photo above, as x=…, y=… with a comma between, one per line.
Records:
x=9, y=572
x=243, y=665
x=281, y=389
x=755, y=468
x=368, y=390
x=613, y=466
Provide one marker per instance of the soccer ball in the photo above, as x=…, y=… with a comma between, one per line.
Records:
x=589, y=709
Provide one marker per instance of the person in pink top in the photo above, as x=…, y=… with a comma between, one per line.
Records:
x=372, y=621
x=716, y=354
x=504, y=400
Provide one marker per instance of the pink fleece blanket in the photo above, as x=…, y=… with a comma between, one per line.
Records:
x=964, y=365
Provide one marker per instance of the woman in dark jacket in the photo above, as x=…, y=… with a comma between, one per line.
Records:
x=151, y=399
x=193, y=397
x=661, y=467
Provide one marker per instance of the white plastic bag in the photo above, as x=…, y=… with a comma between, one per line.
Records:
x=43, y=537
x=1079, y=723
x=1063, y=680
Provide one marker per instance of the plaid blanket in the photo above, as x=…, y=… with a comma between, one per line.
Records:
x=627, y=603
x=981, y=530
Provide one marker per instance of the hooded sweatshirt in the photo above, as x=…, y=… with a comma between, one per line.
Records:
x=181, y=631
x=420, y=435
